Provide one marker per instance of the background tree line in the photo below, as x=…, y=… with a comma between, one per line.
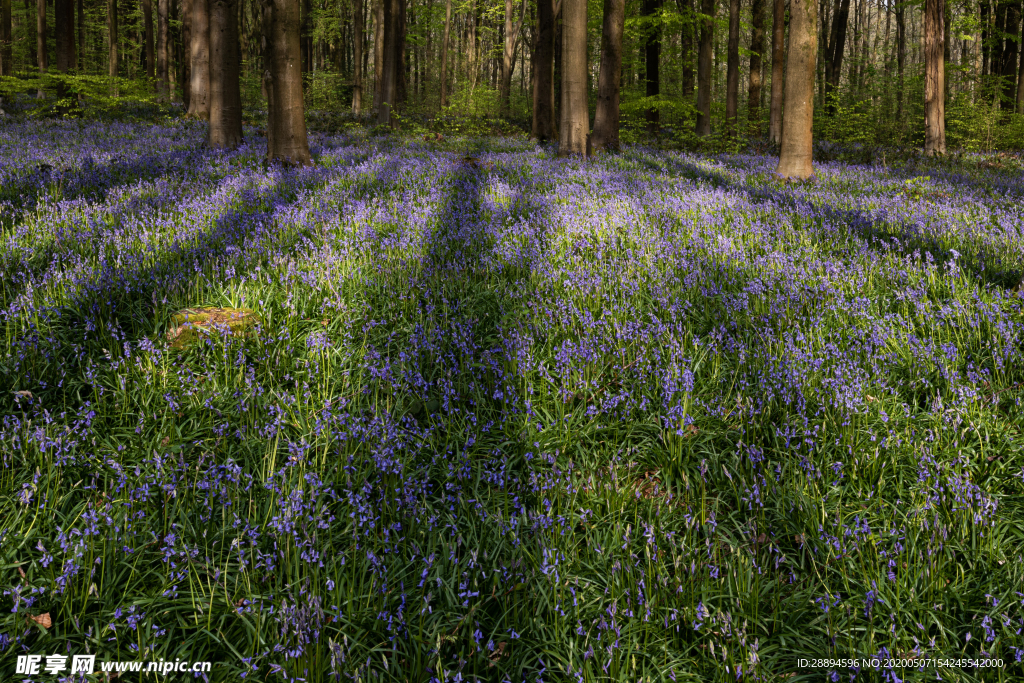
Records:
x=688, y=69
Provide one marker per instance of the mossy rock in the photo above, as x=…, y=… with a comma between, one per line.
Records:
x=192, y=324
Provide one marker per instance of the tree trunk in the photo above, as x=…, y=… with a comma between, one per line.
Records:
x=41, y=36
x=1009, y=61
x=575, y=124
x=795, y=159
x=934, y=87
x=81, y=32
x=357, y=58
x=162, y=74
x=147, y=19
x=834, y=54
x=444, y=54
x=901, y=55
x=686, y=47
x=778, y=70
x=651, y=10
x=64, y=26
x=1020, y=77
x=756, y=54
x=112, y=31
x=378, y=53
x=186, y=53
x=704, y=66
x=286, y=126
x=606, y=117
x=199, y=96
x=544, y=73
x=6, y=46
x=390, y=66
x=225, y=130
x=732, y=69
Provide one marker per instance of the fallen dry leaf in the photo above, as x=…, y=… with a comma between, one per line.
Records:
x=42, y=619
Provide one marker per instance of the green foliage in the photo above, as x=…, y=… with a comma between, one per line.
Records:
x=99, y=97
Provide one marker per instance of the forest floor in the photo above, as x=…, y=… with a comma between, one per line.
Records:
x=497, y=415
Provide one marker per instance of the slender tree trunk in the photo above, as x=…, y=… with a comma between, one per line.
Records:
x=64, y=27
x=286, y=127
x=147, y=19
x=606, y=117
x=934, y=88
x=391, y=66
x=795, y=159
x=1009, y=61
x=378, y=53
x=162, y=75
x=834, y=54
x=575, y=125
x=199, y=96
x=544, y=73
x=756, y=53
x=778, y=70
x=186, y=53
x=901, y=55
x=357, y=58
x=652, y=59
x=686, y=46
x=1020, y=77
x=732, y=69
x=81, y=32
x=6, y=45
x=704, y=66
x=42, y=63
x=112, y=32
x=505, y=82
x=444, y=53
x=401, y=61
x=225, y=130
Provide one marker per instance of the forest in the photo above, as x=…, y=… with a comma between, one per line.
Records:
x=449, y=341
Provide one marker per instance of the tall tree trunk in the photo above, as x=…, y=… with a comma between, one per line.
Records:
x=575, y=124
x=704, y=66
x=225, y=130
x=112, y=32
x=651, y=10
x=81, y=32
x=357, y=58
x=778, y=70
x=6, y=45
x=986, y=39
x=1020, y=77
x=934, y=88
x=378, y=53
x=401, y=61
x=444, y=53
x=795, y=159
x=64, y=26
x=390, y=66
x=901, y=56
x=42, y=62
x=199, y=97
x=1009, y=61
x=147, y=19
x=162, y=75
x=606, y=117
x=756, y=54
x=686, y=46
x=544, y=73
x=732, y=69
x=508, y=54
x=834, y=54
x=186, y=53
x=286, y=126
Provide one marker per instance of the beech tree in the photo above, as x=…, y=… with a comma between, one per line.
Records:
x=544, y=127
x=147, y=20
x=934, y=79
x=778, y=70
x=795, y=157
x=6, y=44
x=704, y=59
x=756, y=56
x=575, y=125
x=606, y=116
x=652, y=58
x=357, y=57
x=286, y=112
x=225, y=130
x=732, y=71
x=162, y=73
x=199, y=83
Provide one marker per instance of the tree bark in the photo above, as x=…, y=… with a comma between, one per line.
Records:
x=199, y=96
x=686, y=46
x=357, y=58
x=64, y=26
x=756, y=55
x=508, y=54
x=795, y=159
x=901, y=55
x=652, y=59
x=606, y=116
x=390, y=66
x=41, y=36
x=81, y=33
x=445, y=42
x=934, y=86
x=1020, y=77
x=147, y=19
x=575, y=124
x=112, y=32
x=307, y=38
x=162, y=74
x=286, y=128
x=378, y=53
x=732, y=69
x=544, y=127
x=225, y=130
x=778, y=70
x=705, y=57
x=834, y=54
x=6, y=46
x=186, y=53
